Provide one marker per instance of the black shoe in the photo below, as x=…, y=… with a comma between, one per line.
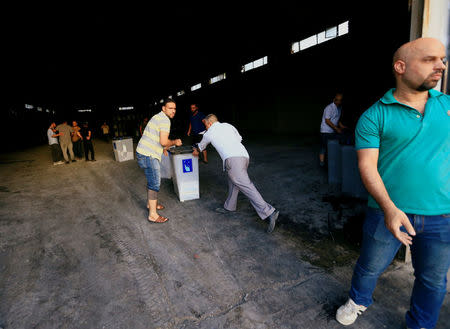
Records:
x=272, y=220
x=222, y=210
x=93, y=160
x=67, y=162
x=74, y=160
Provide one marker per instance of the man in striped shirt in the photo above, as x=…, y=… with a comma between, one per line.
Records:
x=155, y=140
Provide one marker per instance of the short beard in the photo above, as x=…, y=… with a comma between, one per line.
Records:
x=425, y=86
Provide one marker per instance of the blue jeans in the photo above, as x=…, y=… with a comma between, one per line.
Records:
x=152, y=170
x=430, y=253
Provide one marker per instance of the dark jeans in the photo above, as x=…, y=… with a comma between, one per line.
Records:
x=430, y=253
x=324, y=137
x=88, y=147
x=78, y=148
x=56, y=152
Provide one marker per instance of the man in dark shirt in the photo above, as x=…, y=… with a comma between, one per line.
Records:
x=196, y=127
x=86, y=134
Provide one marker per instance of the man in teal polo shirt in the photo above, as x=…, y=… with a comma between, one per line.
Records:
x=403, y=145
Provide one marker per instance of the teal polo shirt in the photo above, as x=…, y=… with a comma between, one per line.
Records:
x=414, y=151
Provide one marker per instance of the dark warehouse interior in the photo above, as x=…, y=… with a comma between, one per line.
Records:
x=66, y=59
x=80, y=243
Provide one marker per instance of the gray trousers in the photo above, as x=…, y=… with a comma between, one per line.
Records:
x=64, y=148
x=238, y=180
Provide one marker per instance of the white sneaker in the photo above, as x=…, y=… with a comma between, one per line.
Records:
x=347, y=313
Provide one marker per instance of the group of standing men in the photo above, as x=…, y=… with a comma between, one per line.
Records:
x=72, y=139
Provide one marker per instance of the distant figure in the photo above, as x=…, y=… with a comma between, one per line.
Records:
x=65, y=140
x=105, y=131
x=155, y=140
x=86, y=134
x=77, y=141
x=403, y=145
x=331, y=125
x=196, y=126
x=142, y=126
x=227, y=141
x=53, y=135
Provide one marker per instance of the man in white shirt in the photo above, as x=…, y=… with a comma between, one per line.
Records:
x=331, y=125
x=227, y=141
x=54, y=145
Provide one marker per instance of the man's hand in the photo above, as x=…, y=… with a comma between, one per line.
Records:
x=178, y=142
x=165, y=152
x=338, y=130
x=394, y=219
x=189, y=133
x=195, y=152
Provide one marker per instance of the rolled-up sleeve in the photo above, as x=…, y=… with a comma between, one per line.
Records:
x=204, y=142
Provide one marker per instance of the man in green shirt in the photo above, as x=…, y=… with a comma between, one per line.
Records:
x=403, y=145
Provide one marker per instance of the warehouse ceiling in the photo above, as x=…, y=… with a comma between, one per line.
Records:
x=129, y=53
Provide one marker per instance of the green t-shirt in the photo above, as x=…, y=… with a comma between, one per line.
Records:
x=414, y=152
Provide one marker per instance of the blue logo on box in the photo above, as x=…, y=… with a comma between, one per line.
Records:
x=187, y=165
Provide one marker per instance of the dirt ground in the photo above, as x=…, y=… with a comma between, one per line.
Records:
x=76, y=250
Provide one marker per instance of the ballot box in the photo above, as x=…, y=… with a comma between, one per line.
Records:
x=352, y=184
x=166, y=166
x=334, y=162
x=123, y=148
x=185, y=173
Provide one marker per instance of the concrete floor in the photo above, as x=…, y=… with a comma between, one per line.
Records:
x=76, y=250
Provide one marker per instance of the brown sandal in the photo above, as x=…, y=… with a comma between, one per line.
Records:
x=160, y=219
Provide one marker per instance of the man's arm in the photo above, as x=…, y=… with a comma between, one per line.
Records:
x=189, y=130
x=166, y=142
x=394, y=218
x=341, y=125
x=200, y=147
x=335, y=128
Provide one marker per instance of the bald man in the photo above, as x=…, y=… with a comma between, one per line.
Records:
x=403, y=146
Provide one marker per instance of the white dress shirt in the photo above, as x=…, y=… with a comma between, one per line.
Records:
x=226, y=140
x=333, y=113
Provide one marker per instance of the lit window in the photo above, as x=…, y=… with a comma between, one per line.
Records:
x=85, y=110
x=331, y=32
x=315, y=39
x=180, y=93
x=343, y=28
x=161, y=100
x=218, y=78
x=295, y=47
x=39, y=109
x=47, y=110
x=253, y=65
x=308, y=42
x=29, y=107
x=327, y=35
x=126, y=108
x=197, y=86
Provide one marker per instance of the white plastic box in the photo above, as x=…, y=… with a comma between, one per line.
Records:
x=185, y=173
x=123, y=149
x=351, y=180
x=166, y=166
